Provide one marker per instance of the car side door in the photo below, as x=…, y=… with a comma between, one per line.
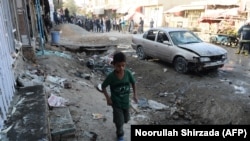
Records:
x=164, y=46
x=149, y=43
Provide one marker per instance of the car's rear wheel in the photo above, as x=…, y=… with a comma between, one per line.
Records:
x=140, y=53
x=181, y=65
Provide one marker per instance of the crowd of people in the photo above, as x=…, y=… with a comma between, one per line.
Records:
x=63, y=16
x=106, y=24
x=99, y=23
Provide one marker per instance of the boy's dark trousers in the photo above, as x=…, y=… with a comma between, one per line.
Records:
x=120, y=116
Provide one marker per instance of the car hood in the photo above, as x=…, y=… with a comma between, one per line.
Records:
x=204, y=49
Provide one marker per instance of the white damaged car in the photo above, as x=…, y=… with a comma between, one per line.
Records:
x=180, y=47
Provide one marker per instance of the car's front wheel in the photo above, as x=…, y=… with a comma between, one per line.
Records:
x=181, y=65
x=140, y=53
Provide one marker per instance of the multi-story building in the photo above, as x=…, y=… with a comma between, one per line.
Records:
x=148, y=8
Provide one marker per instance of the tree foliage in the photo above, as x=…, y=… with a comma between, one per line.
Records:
x=58, y=4
x=71, y=5
x=81, y=11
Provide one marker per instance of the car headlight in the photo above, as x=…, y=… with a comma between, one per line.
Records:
x=205, y=59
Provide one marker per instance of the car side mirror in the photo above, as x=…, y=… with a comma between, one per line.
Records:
x=166, y=42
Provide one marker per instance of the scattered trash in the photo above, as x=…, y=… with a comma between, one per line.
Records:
x=134, y=106
x=104, y=68
x=140, y=118
x=164, y=94
x=97, y=116
x=107, y=70
x=99, y=88
x=107, y=59
x=48, y=52
x=173, y=110
x=80, y=59
x=14, y=55
x=56, y=101
x=165, y=70
x=20, y=101
x=67, y=85
x=56, y=80
x=87, y=76
x=27, y=79
x=6, y=130
x=18, y=44
x=143, y=103
x=156, y=105
x=91, y=63
x=239, y=89
x=83, y=75
x=91, y=135
x=85, y=84
x=29, y=93
x=13, y=110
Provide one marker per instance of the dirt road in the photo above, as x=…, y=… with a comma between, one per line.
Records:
x=220, y=97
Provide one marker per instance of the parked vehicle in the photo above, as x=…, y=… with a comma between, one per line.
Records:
x=180, y=47
x=226, y=40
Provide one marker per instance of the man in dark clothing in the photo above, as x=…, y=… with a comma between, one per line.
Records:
x=98, y=24
x=108, y=24
x=55, y=16
x=141, y=24
x=101, y=25
x=66, y=13
x=244, y=33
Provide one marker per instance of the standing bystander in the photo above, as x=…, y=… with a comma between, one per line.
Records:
x=66, y=14
x=151, y=23
x=141, y=24
x=131, y=26
x=244, y=33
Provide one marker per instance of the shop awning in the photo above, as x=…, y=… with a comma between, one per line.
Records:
x=175, y=9
x=219, y=14
x=211, y=16
x=223, y=2
x=181, y=8
x=209, y=20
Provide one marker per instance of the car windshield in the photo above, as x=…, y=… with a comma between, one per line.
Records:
x=184, y=37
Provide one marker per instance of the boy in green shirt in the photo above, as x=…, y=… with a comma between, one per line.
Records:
x=119, y=81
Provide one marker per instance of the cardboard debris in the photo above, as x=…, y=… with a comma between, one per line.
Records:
x=97, y=116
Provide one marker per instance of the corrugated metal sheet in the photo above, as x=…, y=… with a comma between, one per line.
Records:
x=7, y=81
